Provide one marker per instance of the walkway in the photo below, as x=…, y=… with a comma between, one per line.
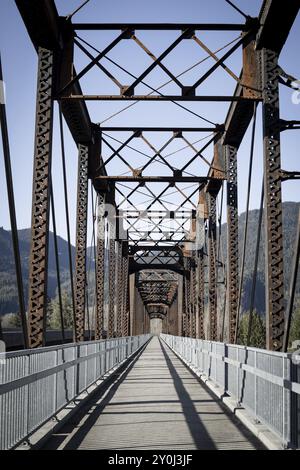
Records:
x=156, y=403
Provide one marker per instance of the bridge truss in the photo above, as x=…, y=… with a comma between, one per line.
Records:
x=160, y=250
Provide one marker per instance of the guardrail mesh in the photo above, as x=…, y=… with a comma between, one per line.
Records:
x=35, y=384
x=266, y=383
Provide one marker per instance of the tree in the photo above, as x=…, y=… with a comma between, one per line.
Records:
x=295, y=325
x=258, y=331
x=67, y=310
x=12, y=320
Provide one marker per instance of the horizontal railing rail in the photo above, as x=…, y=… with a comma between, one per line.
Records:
x=265, y=383
x=36, y=384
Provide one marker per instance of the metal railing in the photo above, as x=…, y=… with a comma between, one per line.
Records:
x=36, y=384
x=265, y=383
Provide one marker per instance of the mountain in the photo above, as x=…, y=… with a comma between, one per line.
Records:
x=290, y=217
x=8, y=291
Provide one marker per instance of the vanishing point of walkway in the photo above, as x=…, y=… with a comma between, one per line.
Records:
x=155, y=403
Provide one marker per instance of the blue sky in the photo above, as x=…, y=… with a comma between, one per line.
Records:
x=19, y=63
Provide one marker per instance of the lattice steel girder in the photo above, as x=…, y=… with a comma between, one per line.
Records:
x=120, y=289
x=112, y=283
x=232, y=241
x=193, y=300
x=273, y=204
x=251, y=25
x=212, y=279
x=99, y=320
x=162, y=248
x=187, y=284
x=156, y=287
x=40, y=200
x=135, y=267
x=157, y=276
x=125, y=313
x=201, y=295
x=81, y=238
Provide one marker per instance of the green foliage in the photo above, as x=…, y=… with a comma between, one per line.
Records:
x=53, y=312
x=295, y=326
x=290, y=217
x=258, y=331
x=11, y=320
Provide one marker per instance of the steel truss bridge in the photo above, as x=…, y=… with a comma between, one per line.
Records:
x=167, y=293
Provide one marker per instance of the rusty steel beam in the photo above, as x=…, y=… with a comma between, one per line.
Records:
x=157, y=179
x=100, y=267
x=232, y=241
x=112, y=286
x=120, y=289
x=201, y=294
x=162, y=26
x=125, y=331
x=202, y=98
x=38, y=268
x=175, y=130
x=193, y=299
x=212, y=278
x=276, y=21
x=188, y=295
x=275, y=317
x=46, y=29
x=81, y=237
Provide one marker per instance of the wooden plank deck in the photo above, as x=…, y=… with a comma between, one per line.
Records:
x=156, y=403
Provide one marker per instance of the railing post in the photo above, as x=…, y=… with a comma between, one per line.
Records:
x=294, y=414
x=55, y=384
x=255, y=385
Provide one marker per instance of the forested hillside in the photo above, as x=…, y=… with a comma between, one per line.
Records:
x=8, y=291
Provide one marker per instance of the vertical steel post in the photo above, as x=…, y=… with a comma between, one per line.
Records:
x=112, y=281
x=81, y=236
x=193, y=299
x=212, y=261
x=184, y=311
x=40, y=200
x=273, y=204
x=100, y=266
x=232, y=241
x=132, y=296
x=188, y=297
x=200, y=332
x=125, y=310
x=120, y=289
x=180, y=305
